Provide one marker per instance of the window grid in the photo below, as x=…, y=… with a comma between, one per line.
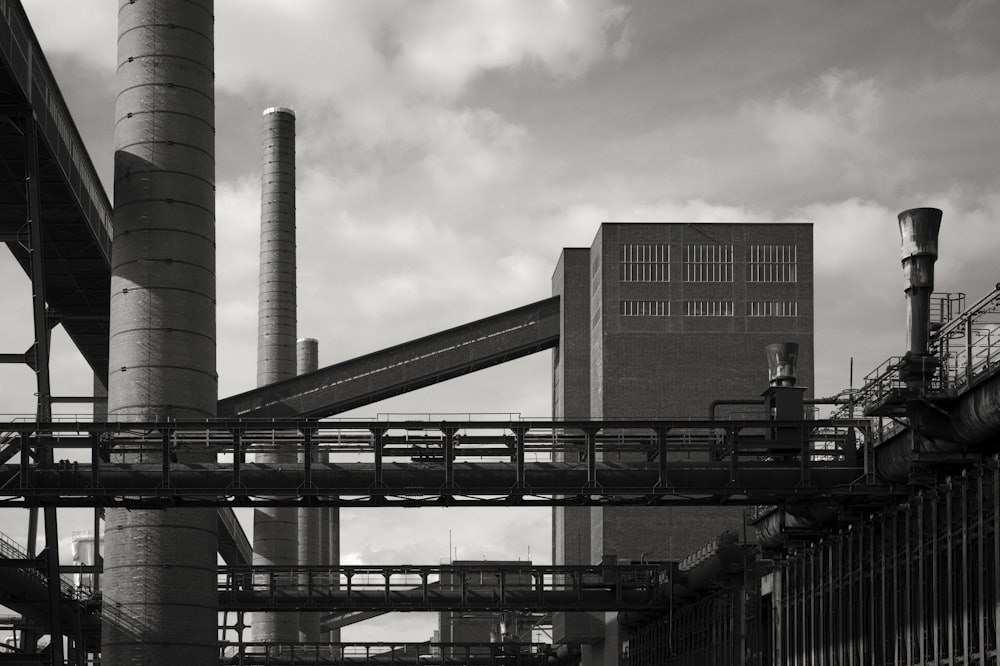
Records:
x=708, y=263
x=708, y=309
x=645, y=262
x=772, y=263
x=644, y=308
x=773, y=309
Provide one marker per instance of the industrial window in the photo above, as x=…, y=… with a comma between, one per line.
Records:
x=644, y=308
x=708, y=308
x=644, y=262
x=772, y=263
x=772, y=309
x=708, y=263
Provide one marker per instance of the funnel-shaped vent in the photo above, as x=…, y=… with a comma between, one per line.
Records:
x=782, y=358
x=918, y=230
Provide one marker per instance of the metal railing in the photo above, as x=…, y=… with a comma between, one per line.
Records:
x=964, y=349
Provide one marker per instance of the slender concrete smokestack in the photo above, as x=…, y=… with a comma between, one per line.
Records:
x=313, y=530
x=276, y=320
x=275, y=534
x=160, y=603
x=918, y=229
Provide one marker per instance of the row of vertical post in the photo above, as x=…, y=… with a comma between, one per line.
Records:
x=918, y=583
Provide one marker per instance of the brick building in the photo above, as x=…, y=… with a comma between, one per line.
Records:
x=659, y=320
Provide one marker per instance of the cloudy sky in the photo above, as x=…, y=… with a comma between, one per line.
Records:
x=448, y=149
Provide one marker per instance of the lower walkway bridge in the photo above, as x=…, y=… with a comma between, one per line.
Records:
x=480, y=588
x=388, y=654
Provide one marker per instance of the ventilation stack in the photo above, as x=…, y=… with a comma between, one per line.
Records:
x=918, y=230
x=783, y=399
x=275, y=533
x=160, y=600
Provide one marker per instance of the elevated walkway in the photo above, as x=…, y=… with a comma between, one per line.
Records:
x=411, y=463
x=459, y=588
x=387, y=654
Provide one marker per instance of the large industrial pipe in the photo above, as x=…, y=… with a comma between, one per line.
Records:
x=160, y=604
x=275, y=534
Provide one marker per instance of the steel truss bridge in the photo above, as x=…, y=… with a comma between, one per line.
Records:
x=464, y=588
x=387, y=654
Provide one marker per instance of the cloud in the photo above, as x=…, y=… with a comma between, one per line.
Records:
x=393, y=48
x=69, y=27
x=447, y=43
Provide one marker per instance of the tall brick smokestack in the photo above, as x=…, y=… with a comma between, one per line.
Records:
x=275, y=534
x=160, y=600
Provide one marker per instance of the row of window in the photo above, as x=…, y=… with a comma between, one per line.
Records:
x=637, y=308
x=650, y=262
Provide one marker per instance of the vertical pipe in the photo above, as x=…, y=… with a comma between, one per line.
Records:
x=965, y=570
x=870, y=617
x=935, y=614
x=831, y=602
x=908, y=635
x=852, y=636
x=160, y=566
x=276, y=538
x=995, y=487
x=980, y=567
x=897, y=629
x=949, y=572
x=811, y=590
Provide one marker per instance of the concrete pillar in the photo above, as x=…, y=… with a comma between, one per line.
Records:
x=275, y=532
x=160, y=600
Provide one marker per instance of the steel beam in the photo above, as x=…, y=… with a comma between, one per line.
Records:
x=406, y=367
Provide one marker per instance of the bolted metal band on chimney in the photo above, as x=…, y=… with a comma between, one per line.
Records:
x=918, y=230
